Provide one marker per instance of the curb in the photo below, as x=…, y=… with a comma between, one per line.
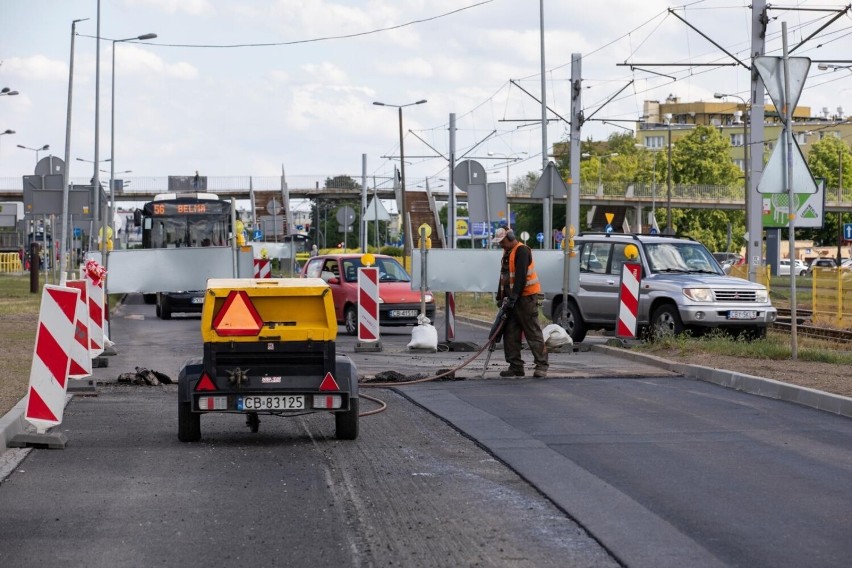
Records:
x=12, y=424
x=750, y=384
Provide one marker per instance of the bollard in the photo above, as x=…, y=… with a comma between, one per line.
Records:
x=34, y=260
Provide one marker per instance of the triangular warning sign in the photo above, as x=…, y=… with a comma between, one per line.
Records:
x=38, y=409
x=329, y=384
x=774, y=174
x=238, y=316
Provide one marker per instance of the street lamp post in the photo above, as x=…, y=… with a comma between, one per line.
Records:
x=112, y=136
x=36, y=150
x=669, y=231
x=746, y=145
x=406, y=250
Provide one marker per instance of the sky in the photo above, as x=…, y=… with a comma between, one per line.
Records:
x=247, y=88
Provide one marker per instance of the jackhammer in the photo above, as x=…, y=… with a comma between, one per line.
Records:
x=495, y=335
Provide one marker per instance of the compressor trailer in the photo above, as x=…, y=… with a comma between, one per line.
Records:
x=269, y=348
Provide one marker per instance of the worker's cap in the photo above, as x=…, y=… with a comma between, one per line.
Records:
x=501, y=234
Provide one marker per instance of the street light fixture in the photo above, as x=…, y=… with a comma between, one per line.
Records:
x=36, y=150
x=7, y=92
x=142, y=37
x=406, y=250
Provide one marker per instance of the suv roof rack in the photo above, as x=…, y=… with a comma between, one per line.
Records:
x=634, y=236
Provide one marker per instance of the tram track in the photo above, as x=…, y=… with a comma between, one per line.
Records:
x=805, y=328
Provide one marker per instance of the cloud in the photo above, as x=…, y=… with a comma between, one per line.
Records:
x=135, y=59
x=192, y=7
x=37, y=67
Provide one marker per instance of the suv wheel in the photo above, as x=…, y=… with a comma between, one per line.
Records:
x=574, y=324
x=666, y=321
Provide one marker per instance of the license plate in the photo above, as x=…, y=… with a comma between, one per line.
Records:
x=271, y=402
x=402, y=313
x=199, y=300
x=742, y=314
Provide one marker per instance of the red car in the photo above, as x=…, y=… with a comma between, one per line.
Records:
x=398, y=304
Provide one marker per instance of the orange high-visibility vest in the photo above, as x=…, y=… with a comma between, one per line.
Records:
x=533, y=286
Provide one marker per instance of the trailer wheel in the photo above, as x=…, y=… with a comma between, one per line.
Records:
x=189, y=423
x=346, y=423
x=253, y=422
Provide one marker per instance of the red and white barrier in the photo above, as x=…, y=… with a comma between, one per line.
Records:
x=81, y=358
x=368, y=304
x=52, y=356
x=262, y=268
x=94, y=275
x=628, y=300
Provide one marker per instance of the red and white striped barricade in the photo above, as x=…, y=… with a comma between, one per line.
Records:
x=262, y=268
x=52, y=356
x=81, y=360
x=94, y=275
x=628, y=300
x=368, y=309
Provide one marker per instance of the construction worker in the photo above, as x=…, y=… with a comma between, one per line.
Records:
x=518, y=293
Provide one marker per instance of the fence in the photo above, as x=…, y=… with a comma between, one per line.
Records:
x=832, y=297
x=10, y=262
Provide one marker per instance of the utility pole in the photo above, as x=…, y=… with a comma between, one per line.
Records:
x=840, y=211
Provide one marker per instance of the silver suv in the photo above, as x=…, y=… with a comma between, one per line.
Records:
x=682, y=287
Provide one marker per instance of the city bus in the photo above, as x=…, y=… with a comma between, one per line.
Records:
x=183, y=220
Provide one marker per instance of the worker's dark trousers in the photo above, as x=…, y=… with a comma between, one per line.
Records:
x=524, y=318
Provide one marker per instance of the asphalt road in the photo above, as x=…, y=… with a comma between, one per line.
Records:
x=608, y=461
x=410, y=491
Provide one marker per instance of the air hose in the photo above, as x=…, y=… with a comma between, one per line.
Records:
x=493, y=337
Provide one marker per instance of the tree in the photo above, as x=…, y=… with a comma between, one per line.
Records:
x=703, y=157
x=825, y=161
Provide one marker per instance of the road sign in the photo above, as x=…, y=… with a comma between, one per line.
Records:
x=608, y=228
x=345, y=215
x=540, y=237
x=257, y=235
x=771, y=70
x=809, y=209
x=847, y=231
x=550, y=184
x=273, y=207
x=774, y=175
x=525, y=236
x=468, y=172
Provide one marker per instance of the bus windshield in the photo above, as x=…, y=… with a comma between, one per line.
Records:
x=185, y=222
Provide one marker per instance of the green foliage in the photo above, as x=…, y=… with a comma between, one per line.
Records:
x=391, y=251
x=704, y=157
x=826, y=160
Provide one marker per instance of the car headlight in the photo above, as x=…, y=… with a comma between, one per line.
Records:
x=699, y=294
x=761, y=296
x=429, y=297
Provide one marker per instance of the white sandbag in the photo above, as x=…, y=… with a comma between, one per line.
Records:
x=556, y=336
x=424, y=335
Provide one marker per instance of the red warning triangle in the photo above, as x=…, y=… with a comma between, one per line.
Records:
x=205, y=384
x=37, y=408
x=329, y=384
x=238, y=316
